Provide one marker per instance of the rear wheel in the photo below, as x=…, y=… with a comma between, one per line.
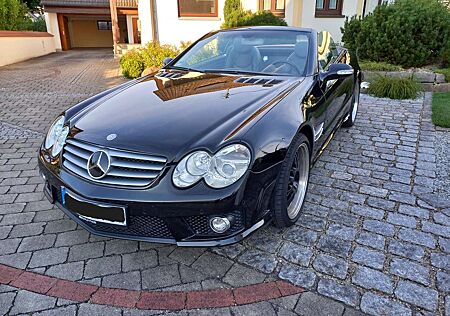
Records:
x=350, y=121
x=292, y=183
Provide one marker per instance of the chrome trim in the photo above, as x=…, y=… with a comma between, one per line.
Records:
x=319, y=132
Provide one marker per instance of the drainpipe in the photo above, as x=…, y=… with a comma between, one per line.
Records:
x=153, y=21
x=364, y=8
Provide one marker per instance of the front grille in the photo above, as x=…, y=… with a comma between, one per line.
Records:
x=127, y=168
x=200, y=224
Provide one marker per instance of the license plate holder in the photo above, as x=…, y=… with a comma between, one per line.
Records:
x=94, y=212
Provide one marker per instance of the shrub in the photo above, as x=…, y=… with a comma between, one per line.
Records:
x=394, y=88
x=12, y=15
x=410, y=33
x=236, y=16
x=444, y=71
x=132, y=64
x=378, y=66
x=153, y=54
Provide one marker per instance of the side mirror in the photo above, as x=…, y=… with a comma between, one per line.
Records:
x=336, y=71
x=167, y=61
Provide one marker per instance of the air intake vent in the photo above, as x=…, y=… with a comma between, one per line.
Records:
x=171, y=75
x=261, y=81
x=126, y=168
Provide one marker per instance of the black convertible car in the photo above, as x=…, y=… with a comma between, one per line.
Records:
x=217, y=143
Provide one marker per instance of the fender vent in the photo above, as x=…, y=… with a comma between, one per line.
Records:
x=171, y=75
x=261, y=81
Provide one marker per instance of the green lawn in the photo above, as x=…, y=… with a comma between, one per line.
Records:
x=441, y=109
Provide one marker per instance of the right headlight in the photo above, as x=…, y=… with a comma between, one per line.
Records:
x=56, y=136
x=223, y=169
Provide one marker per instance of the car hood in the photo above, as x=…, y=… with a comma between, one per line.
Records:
x=171, y=116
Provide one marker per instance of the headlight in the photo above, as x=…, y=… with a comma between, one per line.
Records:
x=56, y=136
x=221, y=170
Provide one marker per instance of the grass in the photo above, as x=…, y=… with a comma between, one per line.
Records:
x=444, y=71
x=441, y=109
x=394, y=88
x=378, y=66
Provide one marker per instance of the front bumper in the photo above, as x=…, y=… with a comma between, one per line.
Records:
x=181, y=223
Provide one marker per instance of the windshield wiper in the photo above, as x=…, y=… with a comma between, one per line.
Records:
x=184, y=68
x=239, y=72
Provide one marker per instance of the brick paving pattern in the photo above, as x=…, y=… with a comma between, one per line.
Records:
x=374, y=236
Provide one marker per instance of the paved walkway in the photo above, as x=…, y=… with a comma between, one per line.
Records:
x=374, y=236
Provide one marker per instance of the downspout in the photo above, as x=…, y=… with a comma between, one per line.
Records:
x=153, y=21
x=364, y=8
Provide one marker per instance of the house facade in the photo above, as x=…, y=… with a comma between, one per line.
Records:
x=87, y=23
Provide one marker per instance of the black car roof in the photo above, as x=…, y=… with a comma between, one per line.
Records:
x=271, y=28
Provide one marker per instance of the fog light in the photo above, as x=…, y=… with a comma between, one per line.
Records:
x=219, y=224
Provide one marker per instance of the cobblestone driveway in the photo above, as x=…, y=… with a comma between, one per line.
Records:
x=374, y=235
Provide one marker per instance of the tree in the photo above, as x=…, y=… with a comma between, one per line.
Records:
x=32, y=4
x=12, y=15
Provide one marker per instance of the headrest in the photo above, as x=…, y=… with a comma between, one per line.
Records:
x=301, y=49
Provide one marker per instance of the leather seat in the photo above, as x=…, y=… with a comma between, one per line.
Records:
x=297, y=58
x=243, y=56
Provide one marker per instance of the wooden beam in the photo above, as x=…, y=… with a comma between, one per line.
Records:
x=63, y=32
x=115, y=24
x=153, y=21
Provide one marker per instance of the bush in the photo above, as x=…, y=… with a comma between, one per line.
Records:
x=132, y=64
x=12, y=15
x=394, y=88
x=410, y=33
x=152, y=55
x=378, y=66
x=444, y=71
x=236, y=16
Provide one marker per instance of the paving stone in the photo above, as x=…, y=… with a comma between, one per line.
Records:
x=444, y=244
x=258, y=309
x=341, y=231
x=371, y=240
x=17, y=219
x=379, y=227
x=373, y=280
x=161, y=276
x=257, y=259
x=6, y=301
x=48, y=257
x=69, y=271
x=211, y=312
x=139, y=260
x=102, y=266
x=402, y=220
x=296, y=254
x=297, y=275
x=330, y=265
x=129, y=281
x=311, y=304
x=229, y=251
x=4, y=231
x=443, y=281
x=440, y=261
x=60, y=226
x=369, y=212
x=368, y=257
x=36, y=243
x=120, y=246
x=61, y=311
x=414, y=211
x=334, y=246
x=239, y=275
x=436, y=229
x=312, y=222
x=98, y=310
x=405, y=249
x=343, y=293
x=16, y=260
x=410, y=270
x=186, y=256
x=86, y=251
x=27, y=302
x=343, y=218
x=417, y=295
x=72, y=238
x=417, y=237
x=301, y=235
x=375, y=304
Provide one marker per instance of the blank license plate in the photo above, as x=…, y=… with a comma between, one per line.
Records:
x=94, y=211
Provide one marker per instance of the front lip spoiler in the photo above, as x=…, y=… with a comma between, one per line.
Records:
x=199, y=243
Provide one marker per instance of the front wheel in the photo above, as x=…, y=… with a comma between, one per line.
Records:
x=292, y=183
x=351, y=118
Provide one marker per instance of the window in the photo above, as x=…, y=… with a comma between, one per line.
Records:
x=327, y=49
x=104, y=25
x=275, y=6
x=329, y=8
x=197, y=8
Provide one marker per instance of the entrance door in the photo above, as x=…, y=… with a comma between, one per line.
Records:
x=136, y=33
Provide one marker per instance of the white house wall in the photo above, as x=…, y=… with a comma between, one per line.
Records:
x=173, y=29
x=145, y=20
x=51, y=21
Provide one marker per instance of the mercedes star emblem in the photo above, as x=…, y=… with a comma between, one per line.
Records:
x=98, y=164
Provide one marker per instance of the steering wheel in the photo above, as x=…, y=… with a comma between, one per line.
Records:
x=282, y=62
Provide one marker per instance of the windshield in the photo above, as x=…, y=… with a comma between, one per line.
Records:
x=280, y=52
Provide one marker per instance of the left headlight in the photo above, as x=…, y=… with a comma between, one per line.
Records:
x=223, y=169
x=56, y=136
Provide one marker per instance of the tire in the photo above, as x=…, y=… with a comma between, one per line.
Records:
x=352, y=114
x=287, y=205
